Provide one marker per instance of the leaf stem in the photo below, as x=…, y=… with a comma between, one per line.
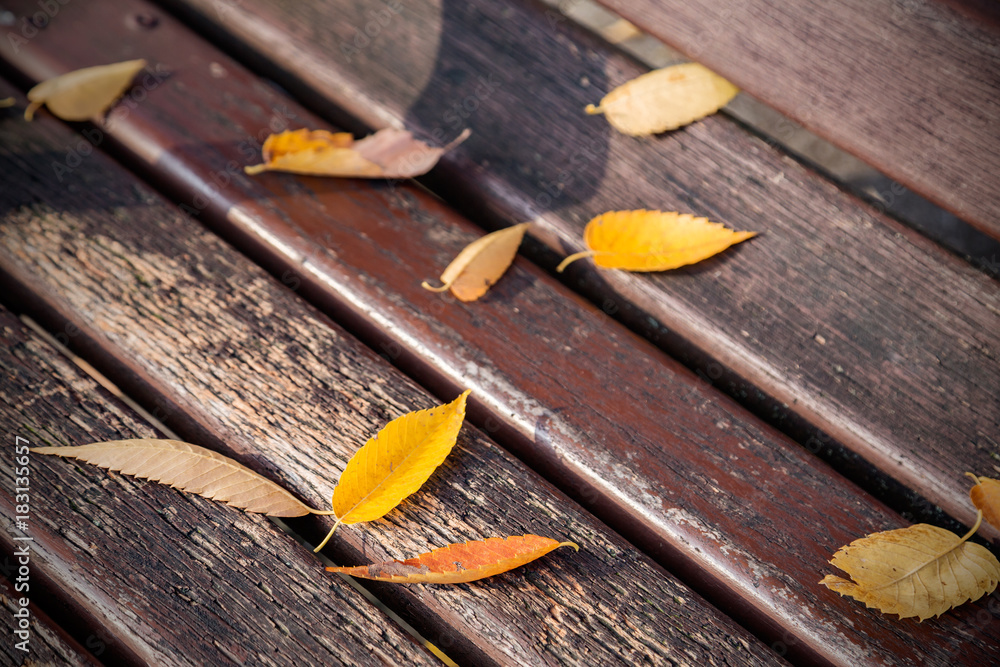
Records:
x=979, y=520
x=426, y=285
x=254, y=169
x=29, y=112
x=592, y=110
x=572, y=258
x=327, y=538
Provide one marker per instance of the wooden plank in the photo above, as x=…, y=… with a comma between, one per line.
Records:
x=912, y=88
x=142, y=574
x=46, y=643
x=659, y=472
x=231, y=359
x=838, y=324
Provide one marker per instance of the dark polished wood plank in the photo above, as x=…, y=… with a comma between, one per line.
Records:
x=640, y=446
x=231, y=359
x=838, y=324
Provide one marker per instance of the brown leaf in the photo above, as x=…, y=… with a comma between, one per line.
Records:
x=481, y=263
x=389, y=153
x=83, y=93
x=918, y=571
x=985, y=495
x=459, y=563
x=189, y=468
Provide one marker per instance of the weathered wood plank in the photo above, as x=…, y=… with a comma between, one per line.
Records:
x=840, y=325
x=658, y=471
x=912, y=88
x=46, y=643
x=233, y=360
x=142, y=574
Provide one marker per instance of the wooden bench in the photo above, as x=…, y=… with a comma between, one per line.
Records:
x=840, y=332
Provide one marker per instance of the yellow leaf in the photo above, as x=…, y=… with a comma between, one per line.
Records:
x=395, y=463
x=481, y=263
x=918, y=571
x=389, y=153
x=189, y=468
x=985, y=495
x=653, y=240
x=460, y=563
x=7, y=102
x=83, y=93
x=665, y=99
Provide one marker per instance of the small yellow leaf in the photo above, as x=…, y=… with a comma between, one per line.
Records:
x=460, y=563
x=481, y=263
x=653, y=240
x=83, y=93
x=665, y=99
x=918, y=571
x=189, y=468
x=389, y=153
x=985, y=495
x=395, y=463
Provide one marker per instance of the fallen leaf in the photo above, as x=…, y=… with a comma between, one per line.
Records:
x=652, y=240
x=189, y=468
x=481, y=263
x=389, y=153
x=918, y=571
x=665, y=99
x=7, y=102
x=460, y=563
x=83, y=93
x=985, y=496
x=395, y=463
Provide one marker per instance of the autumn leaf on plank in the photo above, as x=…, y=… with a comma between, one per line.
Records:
x=918, y=571
x=189, y=468
x=985, y=495
x=395, y=463
x=652, y=240
x=665, y=99
x=389, y=153
x=460, y=563
x=481, y=263
x=83, y=93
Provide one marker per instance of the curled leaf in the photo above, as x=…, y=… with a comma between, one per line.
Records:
x=460, y=563
x=395, y=463
x=481, y=263
x=652, y=240
x=189, y=468
x=83, y=93
x=389, y=153
x=918, y=571
x=985, y=495
x=665, y=99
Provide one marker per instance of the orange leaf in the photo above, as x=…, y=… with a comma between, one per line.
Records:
x=653, y=240
x=389, y=153
x=985, y=496
x=481, y=263
x=459, y=563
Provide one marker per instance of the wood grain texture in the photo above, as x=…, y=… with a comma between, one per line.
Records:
x=142, y=574
x=556, y=379
x=47, y=643
x=840, y=324
x=233, y=360
x=911, y=87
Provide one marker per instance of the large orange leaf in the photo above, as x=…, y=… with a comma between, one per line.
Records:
x=665, y=99
x=389, y=153
x=395, y=463
x=481, y=263
x=920, y=571
x=459, y=563
x=189, y=468
x=83, y=93
x=985, y=495
x=653, y=240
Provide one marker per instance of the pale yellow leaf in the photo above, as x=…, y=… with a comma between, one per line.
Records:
x=389, y=153
x=653, y=240
x=84, y=93
x=920, y=571
x=189, y=468
x=395, y=463
x=481, y=263
x=665, y=99
x=985, y=495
